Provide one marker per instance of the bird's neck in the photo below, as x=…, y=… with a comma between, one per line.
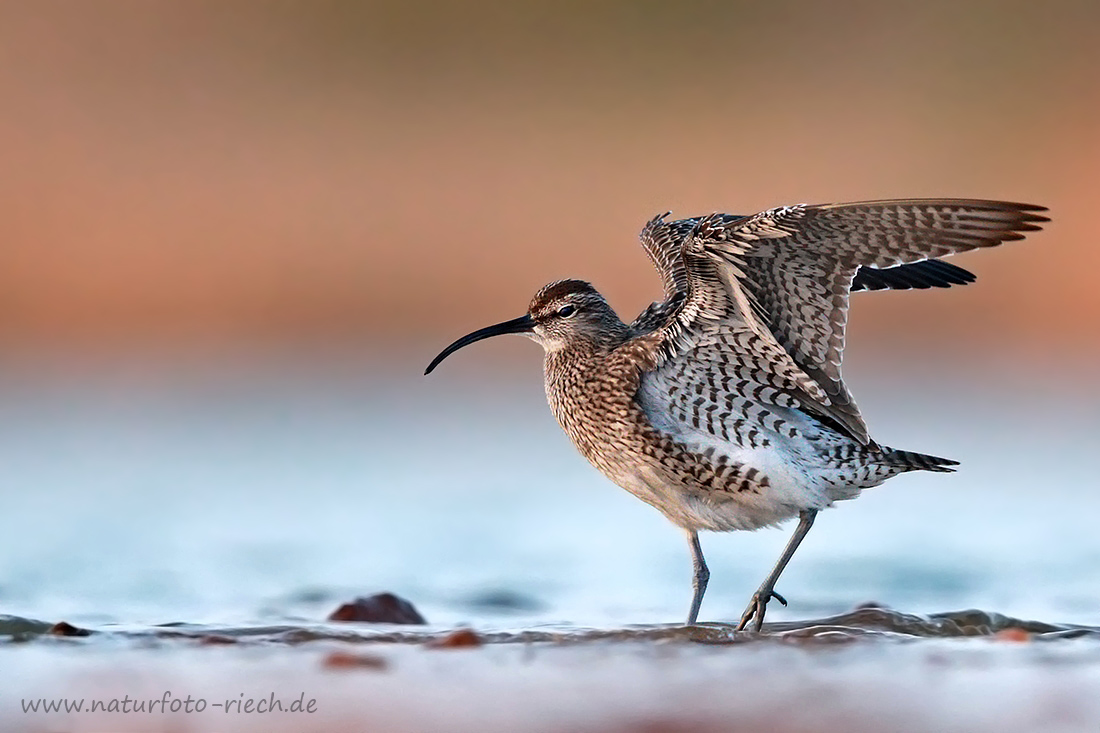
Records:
x=585, y=387
x=583, y=356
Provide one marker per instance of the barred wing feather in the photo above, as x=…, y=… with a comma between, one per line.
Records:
x=772, y=289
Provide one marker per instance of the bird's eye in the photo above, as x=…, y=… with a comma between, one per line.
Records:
x=567, y=310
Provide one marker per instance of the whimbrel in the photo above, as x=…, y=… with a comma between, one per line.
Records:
x=722, y=405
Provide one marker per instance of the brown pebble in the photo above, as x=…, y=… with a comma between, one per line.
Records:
x=381, y=608
x=1012, y=634
x=347, y=660
x=64, y=628
x=458, y=639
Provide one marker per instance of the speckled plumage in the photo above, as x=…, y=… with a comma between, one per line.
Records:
x=723, y=405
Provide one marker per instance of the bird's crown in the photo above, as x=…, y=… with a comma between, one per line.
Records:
x=560, y=293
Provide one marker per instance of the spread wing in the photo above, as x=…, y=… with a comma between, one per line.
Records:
x=664, y=250
x=774, y=287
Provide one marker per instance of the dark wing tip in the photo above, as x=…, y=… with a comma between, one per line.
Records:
x=1025, y=213
x=913, y=276
x=949, y=274
x=1028, y=214
x=1031, y=207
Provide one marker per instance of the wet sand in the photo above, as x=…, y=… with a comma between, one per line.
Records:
x=873, y=669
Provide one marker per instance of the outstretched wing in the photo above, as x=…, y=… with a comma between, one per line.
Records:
x=774, y=287
x=664, y=246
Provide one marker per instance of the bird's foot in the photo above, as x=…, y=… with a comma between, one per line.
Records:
x=757, y=606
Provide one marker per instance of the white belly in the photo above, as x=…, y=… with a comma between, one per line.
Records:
x=702, y=509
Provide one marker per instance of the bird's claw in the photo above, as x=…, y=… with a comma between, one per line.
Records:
x=757, y=607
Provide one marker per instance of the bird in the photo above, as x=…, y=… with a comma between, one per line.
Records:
x=722, y=405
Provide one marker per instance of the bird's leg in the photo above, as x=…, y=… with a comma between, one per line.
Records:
x=699, y=577
x=766, y=591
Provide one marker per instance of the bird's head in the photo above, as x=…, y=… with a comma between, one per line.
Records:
x=563, y=314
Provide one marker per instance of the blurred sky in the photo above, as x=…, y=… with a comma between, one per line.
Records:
x=207, y=173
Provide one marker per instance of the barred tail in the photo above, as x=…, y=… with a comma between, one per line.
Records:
x=909, y=461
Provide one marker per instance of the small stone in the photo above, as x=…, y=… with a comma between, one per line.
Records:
x=64, y=628
x=347, y=660
x=1013, y=634
x=381, y=608
x=458, y=639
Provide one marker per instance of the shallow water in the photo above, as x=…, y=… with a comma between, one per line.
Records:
x=867, y=623
x=870, y=670
x=162, y=509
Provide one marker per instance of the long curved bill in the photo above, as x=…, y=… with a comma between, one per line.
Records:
x=524, y=324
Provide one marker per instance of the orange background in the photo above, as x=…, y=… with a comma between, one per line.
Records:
x=207, y=173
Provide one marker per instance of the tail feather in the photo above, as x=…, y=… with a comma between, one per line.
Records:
x=911, y=461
